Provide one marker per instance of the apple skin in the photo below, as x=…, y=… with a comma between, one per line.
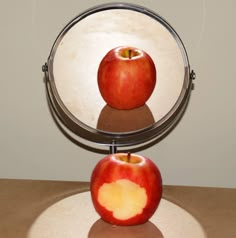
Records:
x=126, y=77
x=138, y=170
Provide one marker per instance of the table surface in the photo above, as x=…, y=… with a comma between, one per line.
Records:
x=21, y=201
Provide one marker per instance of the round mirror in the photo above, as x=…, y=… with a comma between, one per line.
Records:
x=71, y=75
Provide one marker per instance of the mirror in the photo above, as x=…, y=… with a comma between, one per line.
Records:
x=71, y=74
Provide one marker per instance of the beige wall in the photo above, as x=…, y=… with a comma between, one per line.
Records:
x=201, y=149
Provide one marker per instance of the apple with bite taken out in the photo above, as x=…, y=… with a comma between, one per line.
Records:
x=126, y=77
x=126, y=189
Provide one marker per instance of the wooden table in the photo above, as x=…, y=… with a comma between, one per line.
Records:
x=21, y=201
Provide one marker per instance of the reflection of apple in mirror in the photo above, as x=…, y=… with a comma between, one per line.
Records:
x=114, y=120
x=101, y=229
x=126, y=77
x=126, y=188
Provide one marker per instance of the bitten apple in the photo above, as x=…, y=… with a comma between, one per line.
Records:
x=126, y=188
x=126, y=77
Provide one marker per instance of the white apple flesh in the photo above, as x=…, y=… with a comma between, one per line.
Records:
x=123, y=198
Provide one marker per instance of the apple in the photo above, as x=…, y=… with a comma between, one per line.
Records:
x=126, y=77
x=126, y=189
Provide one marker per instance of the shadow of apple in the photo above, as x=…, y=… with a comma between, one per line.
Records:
x=102, y=229
x=114, y=120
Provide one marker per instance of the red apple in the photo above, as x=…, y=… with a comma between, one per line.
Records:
x=126, y=77
x=126, y=188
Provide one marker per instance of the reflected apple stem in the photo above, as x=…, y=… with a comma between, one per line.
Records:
x=130, y=54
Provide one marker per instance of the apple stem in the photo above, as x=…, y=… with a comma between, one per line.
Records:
x=128, y=157
x=130, y=54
